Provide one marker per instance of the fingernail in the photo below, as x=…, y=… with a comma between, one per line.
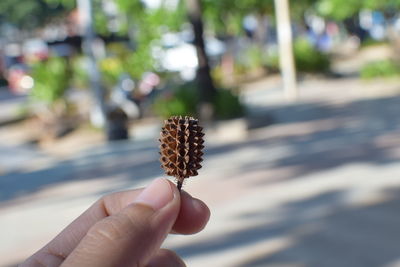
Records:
x=156, y=195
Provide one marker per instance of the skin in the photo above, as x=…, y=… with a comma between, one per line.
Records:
x=126, y=229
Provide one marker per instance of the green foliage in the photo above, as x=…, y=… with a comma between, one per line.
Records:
x=380, y=69
x=29, y=14
x=344, y=9
x=148, y=24
x=227, y=105
x=180, y=101
x=339, y=9
x=111, y=68
x=183, y=100
x=299, y=7
x=307, y=58
x=226, y=16
x=79, y=75
x=65, y=3
x=51, y=80
x=100, y=22
x=122, y=60
x=273, y=61
x=130, y=6
x=372, y=42
x=147, y=27
x=139, y=62
x=172, y=19
x=253, y=57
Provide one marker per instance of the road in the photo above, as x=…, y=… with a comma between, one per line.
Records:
x=318, y=187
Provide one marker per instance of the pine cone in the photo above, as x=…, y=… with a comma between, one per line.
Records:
x=181, y=147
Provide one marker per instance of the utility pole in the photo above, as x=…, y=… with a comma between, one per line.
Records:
x=97, y=115
x=288, y=70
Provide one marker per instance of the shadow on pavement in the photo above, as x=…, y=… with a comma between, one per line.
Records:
x=348, y=236
x=321, y=137
x=317, y=136
x=135, y=161
x=323, y=232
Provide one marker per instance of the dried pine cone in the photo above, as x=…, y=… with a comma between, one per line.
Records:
x=181, y=147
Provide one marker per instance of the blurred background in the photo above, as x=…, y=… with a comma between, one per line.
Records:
x=300, y=101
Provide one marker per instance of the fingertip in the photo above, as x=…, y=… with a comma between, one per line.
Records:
x=166, y=258
x=201, y=209
x=157, y=194
x=193, y=216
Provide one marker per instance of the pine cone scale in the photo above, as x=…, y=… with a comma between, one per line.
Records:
x=181, y=144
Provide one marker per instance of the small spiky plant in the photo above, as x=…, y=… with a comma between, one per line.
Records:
x=181, y=145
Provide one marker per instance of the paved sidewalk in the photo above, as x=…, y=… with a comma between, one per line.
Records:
x=320, y=187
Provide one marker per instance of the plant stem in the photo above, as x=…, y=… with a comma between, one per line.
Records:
x=179, y=185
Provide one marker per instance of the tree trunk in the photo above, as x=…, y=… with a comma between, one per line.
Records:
x=203, y=77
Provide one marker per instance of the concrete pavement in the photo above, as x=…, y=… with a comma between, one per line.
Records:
x=320, y=187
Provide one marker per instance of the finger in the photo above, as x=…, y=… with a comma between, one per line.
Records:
x=43, y=258
x=166, y=258
x=54, y=253
x=193, y=216
x=132, y=236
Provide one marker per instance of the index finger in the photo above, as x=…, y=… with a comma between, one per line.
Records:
x=192, y=217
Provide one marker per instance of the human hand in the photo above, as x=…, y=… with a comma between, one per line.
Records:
x=126, y=229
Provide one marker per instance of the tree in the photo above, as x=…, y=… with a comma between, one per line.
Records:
x=28, y=14
x=345, y=9
x=147, y=24
x=205, y=82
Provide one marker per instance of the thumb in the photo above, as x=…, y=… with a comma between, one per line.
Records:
x=132, y=236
